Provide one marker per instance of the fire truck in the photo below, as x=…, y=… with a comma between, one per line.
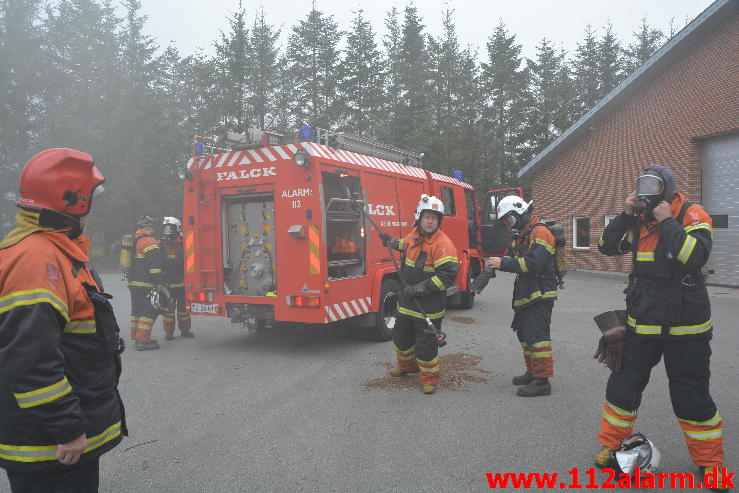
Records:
x=276, y=229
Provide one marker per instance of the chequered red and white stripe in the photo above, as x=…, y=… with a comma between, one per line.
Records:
x=346, y=309
x=273, y=153
x=449, y=179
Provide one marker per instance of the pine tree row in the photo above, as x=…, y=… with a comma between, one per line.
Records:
x=78, y=75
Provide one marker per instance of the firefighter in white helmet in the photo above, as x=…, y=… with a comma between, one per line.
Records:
x=534, y=292
x=429, y=266
x=173, y=262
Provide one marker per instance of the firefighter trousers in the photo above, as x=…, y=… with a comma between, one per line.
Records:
x=78, y=478
x=179, y=314
x=143, y=314
x=687, y=363
x=533, y=328
x=416, y=348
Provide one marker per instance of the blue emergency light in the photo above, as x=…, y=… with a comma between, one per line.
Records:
x=458, y=175
x=306, y=132
x=199, y=148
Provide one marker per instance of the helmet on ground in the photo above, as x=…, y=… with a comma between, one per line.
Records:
x=60, y=180
x=172, y=227
x=637, y=451
x=160, y=301
x=145, y=222
x=429, y=203
x=513, y=207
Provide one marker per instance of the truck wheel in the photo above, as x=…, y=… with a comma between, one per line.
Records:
x=386, y=312
x=467, y=298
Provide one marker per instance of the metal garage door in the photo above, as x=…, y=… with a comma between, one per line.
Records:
x=721, y=199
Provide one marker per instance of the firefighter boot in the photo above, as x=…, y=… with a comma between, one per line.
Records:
x=427, y=388
x=536, y=387
x=524, y=379
x=146, y=345
x=605, y=458
x=168, y=336
x=395, y=371
x=712, y=481
x=186, y=333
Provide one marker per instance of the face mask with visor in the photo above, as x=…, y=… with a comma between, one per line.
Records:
x=650, y=190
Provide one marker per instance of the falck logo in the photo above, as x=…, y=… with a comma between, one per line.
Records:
x=246, y=173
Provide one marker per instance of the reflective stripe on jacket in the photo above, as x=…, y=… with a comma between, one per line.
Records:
x=56, y=381
x=437, y=269
x=669, y=258
x=533, y=261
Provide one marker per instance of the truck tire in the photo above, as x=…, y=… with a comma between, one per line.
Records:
x=467, y=298
x=386, y=311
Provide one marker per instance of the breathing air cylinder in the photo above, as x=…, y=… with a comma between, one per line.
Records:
x=126, y=255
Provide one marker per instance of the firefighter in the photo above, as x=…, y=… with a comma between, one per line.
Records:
x=534, y=291
x=429, y=266
x=59, y=344
x=668, y=314
x=146, y=275
x=174, y=272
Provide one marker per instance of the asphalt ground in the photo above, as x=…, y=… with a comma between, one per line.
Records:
x=307, y=408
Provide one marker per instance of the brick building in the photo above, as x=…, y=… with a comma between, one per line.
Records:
x=680, y=109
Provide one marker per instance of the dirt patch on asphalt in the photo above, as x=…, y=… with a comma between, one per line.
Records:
x=455, y=372
x=463, y=320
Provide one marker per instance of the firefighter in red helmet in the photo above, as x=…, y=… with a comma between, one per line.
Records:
x=59, y=342
x=429, y=266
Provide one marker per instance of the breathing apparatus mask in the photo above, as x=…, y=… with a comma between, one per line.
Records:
x=650, y=190
x=170, y=232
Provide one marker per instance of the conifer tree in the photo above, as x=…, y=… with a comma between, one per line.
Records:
x=504, y=83
x=585, y=72
x=313, y=69
x=412, y=120
x=645, y=42
x=362, y=79
x=264, y=71
x=233, y=56
x=610, y=61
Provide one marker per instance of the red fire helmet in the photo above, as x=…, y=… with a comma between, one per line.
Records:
x=62, y=180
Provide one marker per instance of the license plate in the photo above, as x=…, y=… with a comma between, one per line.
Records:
x=200, y=308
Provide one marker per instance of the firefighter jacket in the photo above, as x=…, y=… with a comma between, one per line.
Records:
x=533, y=260
x=173, y=261
x=666, y=296
x=430, y=262
x=146, y=264
x=58, y=371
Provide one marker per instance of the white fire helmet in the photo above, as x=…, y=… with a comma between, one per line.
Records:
x=512, y=203
x=429, y=203
x=172, y=226
x=637, y=451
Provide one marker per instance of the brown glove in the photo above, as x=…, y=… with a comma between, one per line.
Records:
x=610, y=354
x=612, y=325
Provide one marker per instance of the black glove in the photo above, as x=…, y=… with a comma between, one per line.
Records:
x=481, y=281
x=386, y=238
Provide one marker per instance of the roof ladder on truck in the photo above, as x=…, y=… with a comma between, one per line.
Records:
x=361, y=145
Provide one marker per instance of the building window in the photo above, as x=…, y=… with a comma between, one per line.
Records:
x=581, y=232
x=608, y=218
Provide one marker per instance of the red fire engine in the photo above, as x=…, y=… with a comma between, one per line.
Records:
x=275, y=232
